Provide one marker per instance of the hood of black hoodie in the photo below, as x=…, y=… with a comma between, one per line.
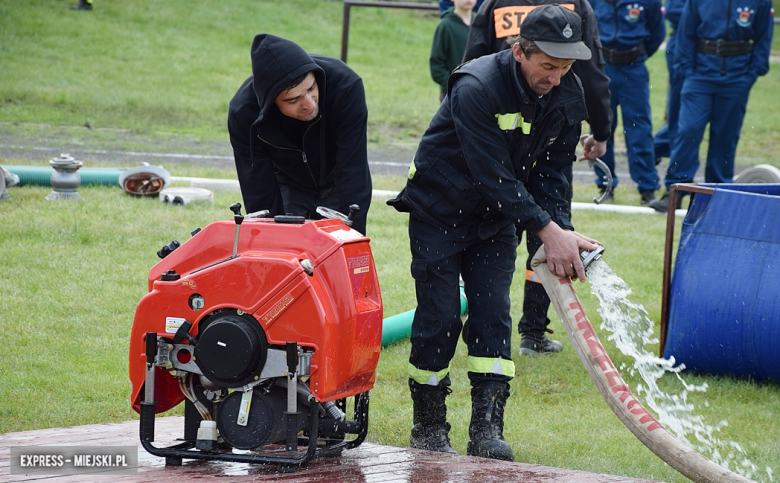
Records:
x=276, y=63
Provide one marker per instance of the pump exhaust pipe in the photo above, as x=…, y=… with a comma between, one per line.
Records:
x=613, y=389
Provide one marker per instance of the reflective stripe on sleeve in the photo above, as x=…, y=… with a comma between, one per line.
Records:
x=509, y=122
x=412, y=169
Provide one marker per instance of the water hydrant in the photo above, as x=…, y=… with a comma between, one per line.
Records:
x=65, y=178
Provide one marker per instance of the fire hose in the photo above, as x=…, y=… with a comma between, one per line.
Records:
x=613, y=388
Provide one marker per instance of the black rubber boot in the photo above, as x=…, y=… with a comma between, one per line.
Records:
x=662, y=205
x=431, y=429
x=647, y=196
x=535, y=347
x=486, y=431
x=82, y=5
x=534, y=322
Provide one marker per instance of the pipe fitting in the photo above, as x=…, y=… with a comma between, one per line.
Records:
x=589, y=257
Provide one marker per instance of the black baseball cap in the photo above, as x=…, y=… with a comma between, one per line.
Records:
x=557, y=31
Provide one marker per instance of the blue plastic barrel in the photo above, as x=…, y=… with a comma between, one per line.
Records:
x=724, y=304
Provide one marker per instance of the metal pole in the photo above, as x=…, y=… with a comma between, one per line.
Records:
x=345, y=32
x=668, y=251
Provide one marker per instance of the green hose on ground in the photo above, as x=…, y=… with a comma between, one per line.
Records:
x=41, y=175
x=399, y=327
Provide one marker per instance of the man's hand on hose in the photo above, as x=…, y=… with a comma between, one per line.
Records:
x=562, y=248
x=592, y=149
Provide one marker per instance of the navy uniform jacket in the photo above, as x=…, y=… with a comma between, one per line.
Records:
x=624, y=24
x=498, y=20
x=711, y=19
x=489, y=158
x=672, y=12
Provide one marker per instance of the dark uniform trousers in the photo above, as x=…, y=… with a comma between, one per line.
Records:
x=439, y=257
x=536, y=303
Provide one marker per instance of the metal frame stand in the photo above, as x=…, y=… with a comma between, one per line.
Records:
x=175, y=454
x=669, y=250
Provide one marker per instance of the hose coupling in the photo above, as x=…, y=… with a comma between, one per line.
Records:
x=590, y=256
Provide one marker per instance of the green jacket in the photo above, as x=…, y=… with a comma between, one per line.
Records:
x=449, y=44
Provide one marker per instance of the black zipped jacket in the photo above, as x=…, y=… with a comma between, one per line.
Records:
x=331, y=154
x=492, y=155
x=499, y=19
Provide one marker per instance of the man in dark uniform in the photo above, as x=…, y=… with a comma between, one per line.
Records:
x=722, y=48
x=497, y=21
x=298, y=130
x=494, y=156
x=662, y=141
x=631, y=31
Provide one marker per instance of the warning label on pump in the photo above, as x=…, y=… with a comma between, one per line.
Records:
x=172, y=324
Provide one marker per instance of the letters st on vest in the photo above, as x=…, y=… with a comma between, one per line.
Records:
x=507, y=20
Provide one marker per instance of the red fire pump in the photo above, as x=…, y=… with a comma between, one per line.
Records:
x=269, y=330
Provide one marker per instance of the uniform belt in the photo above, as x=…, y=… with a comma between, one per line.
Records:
x=724, y=48
x=614, y=56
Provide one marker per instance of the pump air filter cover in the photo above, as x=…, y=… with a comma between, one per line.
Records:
x=231, y=351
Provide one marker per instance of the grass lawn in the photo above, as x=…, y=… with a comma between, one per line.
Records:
x=71, y=274
x=155, y=65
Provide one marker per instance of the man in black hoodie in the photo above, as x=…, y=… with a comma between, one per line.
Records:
x=298, y=130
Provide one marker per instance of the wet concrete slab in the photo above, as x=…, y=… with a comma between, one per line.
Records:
x=369, y=463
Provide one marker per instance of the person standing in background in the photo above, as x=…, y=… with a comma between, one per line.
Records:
x=662, y=142
x=449, y=42
x=631, y=31
x=447, y=4
x=82, y=5
x=722, y=48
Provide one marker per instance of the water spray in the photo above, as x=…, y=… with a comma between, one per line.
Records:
x=611, y=385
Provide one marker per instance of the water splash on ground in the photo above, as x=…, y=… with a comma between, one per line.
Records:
x=631, y=329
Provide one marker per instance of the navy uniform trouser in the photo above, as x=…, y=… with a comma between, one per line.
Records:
x=629, y=85
x=439, y=259
x=662, y=142
x=720, y=103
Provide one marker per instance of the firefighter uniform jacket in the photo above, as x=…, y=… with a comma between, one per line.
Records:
x=329, y=154
x=745, y=20
x=498, y=20
x=672, y=12
x=493, y=155
x=625, y=24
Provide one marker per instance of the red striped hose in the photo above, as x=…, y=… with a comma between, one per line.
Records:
x=615, y=391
